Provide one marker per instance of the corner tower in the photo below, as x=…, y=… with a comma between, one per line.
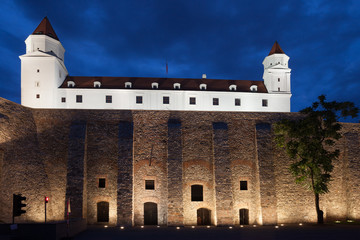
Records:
x=42, y=67
x=276, y=71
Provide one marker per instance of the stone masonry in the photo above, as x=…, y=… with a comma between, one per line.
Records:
x=63, y=154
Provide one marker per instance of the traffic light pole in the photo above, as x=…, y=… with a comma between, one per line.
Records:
x=45, y=211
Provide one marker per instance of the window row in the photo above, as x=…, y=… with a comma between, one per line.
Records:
x=166, y=100
x=197, y=194
x=155, y=85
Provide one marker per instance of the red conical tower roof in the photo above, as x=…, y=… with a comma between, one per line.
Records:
x=276, y=49
x=45, y=28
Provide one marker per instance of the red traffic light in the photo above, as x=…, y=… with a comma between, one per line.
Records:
x=46, y=199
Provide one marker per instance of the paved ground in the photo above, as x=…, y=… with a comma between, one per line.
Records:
x=307, y=232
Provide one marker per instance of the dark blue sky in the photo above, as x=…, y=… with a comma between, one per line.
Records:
x=224, y=39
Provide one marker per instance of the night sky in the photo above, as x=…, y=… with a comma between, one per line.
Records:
x=224, y=39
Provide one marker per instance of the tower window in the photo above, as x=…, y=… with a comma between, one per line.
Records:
x=37, y=95
x=102, y=182
x=166, y=100
x=192, y=101
x=139, y=100
x=237, y=102
x=79, y=98
x=38, y=70
x=108, y=99
x=278, y=79
x=197, y=193
x=243, y=185
x=37, y=84
x=63, y=99
x=215, y=101
x=264, y=102
x=149, y=184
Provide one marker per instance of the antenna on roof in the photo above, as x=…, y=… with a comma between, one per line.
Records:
x=167, y=68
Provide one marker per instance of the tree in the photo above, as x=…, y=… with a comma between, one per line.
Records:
x=308, y=140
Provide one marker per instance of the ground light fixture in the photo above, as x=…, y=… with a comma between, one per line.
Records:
x=157, y=226
x=105, y=226
x=282, y=225
x=230, y=227
x=337, y=221
x=241, y=225
x=121, y=227
x=300, y=224
x=208, y=226
x=350, y=221
x=142, y=226
x=254, y=225
x=177, y=228
x=276, y=226
x=192, y=226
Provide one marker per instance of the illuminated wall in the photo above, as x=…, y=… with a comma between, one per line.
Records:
x=63, y=153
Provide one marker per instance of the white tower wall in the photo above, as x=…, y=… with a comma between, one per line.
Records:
x=277, y=73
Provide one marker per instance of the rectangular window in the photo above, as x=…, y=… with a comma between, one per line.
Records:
x=278, y=89
x=108, y=99
x=37, y=95
x=166, y=100
x=192, y=101
x=264, y=102
x=38, y=70
x=149, y=184
x=79, y=98
x=102, y=182
x=139, y=100
x=63, y=99
x=215, y=101
x=237, y=102
x=278, y=79
x=197, y=193
x=243, y=185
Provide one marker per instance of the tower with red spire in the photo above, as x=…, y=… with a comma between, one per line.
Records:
x=276, y=71
x=42, y=67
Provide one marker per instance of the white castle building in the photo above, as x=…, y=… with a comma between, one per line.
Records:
x=45, y=83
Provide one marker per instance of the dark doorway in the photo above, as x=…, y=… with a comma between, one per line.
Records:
x=203, y=216
x=244, y=216
x=150, y=214
x=103, y=212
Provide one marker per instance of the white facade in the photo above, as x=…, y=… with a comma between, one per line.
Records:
x=43, y=72
x=178, y=100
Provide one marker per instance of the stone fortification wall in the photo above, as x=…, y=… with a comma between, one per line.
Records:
x=63, y=154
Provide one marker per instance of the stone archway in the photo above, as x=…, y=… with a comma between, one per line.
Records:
x=203, y=216
x=150, y=213
x=103, y=212
x=244, y=216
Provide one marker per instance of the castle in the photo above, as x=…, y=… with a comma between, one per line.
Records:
x=158, y=151
x=45, y=83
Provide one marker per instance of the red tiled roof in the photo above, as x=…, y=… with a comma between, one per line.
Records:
x=276, y=49
x=165, y=83
x=45, y=28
